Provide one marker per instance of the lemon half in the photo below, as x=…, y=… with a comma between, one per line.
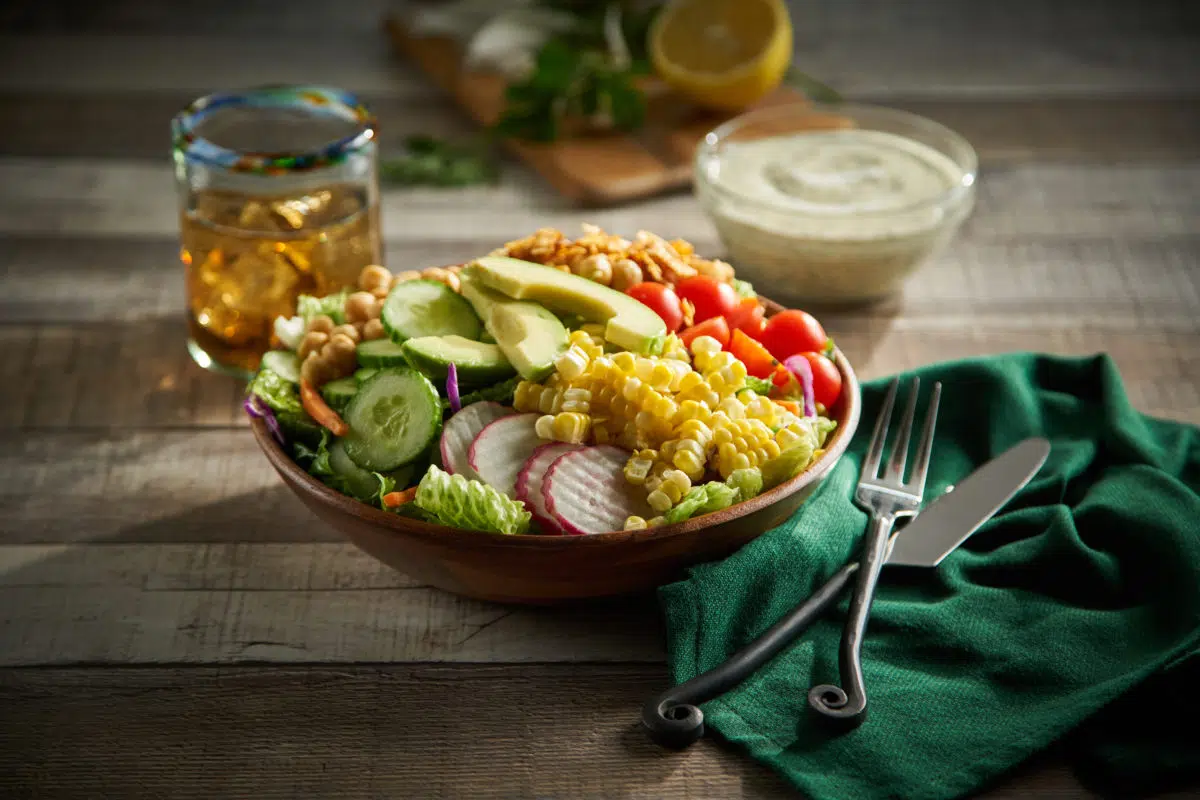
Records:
x=723, y=54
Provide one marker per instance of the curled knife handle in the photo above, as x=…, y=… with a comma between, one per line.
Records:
x=674, y=719
x=849, y=705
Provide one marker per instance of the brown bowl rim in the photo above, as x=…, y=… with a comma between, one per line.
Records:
x=850, y=403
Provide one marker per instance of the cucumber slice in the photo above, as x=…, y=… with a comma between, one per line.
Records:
x=283, y=363
x=393, y=419
x=381, y=353
x=428, y=308
x=362, y=373
x=477, y=363
x=357, y=482
x=338, y=393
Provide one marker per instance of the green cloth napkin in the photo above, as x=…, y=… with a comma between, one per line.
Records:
x=1071, y=617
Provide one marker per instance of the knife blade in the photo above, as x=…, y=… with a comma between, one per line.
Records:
x=949, y=520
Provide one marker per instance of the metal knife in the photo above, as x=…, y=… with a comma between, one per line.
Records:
x=673, y=718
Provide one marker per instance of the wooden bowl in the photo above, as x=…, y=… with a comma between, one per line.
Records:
x=555, y=569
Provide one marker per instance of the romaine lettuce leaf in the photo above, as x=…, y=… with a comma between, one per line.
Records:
x=283, y=398
x=461, y=503
x=333, y=305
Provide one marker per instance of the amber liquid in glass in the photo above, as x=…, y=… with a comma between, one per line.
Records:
x=247, y=258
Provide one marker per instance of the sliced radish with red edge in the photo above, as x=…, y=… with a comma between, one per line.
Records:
x=461, y=430
x=501, y=450
x=586, y=492
x=533, y=477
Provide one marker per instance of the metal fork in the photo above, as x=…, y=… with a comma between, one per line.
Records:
x=887, y=497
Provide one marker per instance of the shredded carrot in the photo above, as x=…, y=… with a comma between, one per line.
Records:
x=792, y=406
x=319, y=410
x=393, y=499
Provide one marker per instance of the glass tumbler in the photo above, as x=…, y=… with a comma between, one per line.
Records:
x=279, y=196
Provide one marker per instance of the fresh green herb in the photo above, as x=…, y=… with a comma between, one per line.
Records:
x=829, y=348
x=744, y=288
x=758, y=385
x=428, y=161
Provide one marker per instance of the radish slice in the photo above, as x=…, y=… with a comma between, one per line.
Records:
x=532, y=478
x=461, y=429
x=501, y=450
x=586, y=491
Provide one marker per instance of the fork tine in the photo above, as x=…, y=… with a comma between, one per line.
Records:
x=870, y=468
x=921, y=467
x=895, y=466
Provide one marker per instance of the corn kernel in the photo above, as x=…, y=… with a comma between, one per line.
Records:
x=725, y=451
x=660, y=376
x=741, y=461
x=544, y=427
x=733, y=408
x=526, y=396
x=637, y=469
x=738, y=370
x=659, y=500
x=635, y=523
x=572, y=363
x=576, y=406
x=745, y=395
x=690, y=446
x=695, y=429
x=759, y=408
x=722, y=435
x=624, y=362
x=705, y=344
x=654, y=522
x=630, y=388
x=767, y=451
x=679, y=369
x=788, y=437
x=550, y=401
x=721, y=360
x=689, y=382
x=643, y=368
x=691, y=464
x=570, y=427
x=757, y=430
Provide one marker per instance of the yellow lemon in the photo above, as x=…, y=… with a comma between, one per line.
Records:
x=723, y=54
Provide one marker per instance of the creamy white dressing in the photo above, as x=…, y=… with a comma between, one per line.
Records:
x=838, y=214
x=810, y=178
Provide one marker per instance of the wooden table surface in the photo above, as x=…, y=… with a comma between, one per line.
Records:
x=174, y=624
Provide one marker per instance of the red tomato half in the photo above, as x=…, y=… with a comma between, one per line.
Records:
x=715, y=327
x=793, y=331
x=747, y=316
x=661, y=299
x=756, y=358
x=710, y=297
x=827, y=380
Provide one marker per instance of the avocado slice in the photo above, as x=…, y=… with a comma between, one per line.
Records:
x=476, y=363
x=629, y=324
x=529, y=336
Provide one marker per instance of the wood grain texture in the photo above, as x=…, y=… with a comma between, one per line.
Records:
x=1059, y=49
x=239, y=603
x=1016, y=203
x=987, y=278
x=374, y=732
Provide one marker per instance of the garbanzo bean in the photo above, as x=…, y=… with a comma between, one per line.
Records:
x=312, y=342
x=321, y=324
x=347, y=330
x=625, y=273
x=359, y=307
x=373, y=329
x=441, y=276
x=374, y=276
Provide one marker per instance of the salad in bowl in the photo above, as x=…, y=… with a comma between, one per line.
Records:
x=552, y=388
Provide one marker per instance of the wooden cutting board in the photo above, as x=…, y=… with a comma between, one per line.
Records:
x=596, y=169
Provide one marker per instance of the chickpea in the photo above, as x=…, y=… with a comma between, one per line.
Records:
x=312, y=342
x=596, y=268
x=346, y=330
x=441, y=276
x=359, y=306
x=373, y=329
x=374, y=276
x=406, y=275
x=625, y=273
x=313, y=370
x=380, y=292
x=321, y=324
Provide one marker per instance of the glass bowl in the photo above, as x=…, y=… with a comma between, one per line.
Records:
x=835, y=204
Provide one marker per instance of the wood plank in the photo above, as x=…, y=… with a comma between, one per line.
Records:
x=81, y=198
x=944, y=52
x=295, y=603
x=133, y=125
x=983, y=279
x=369, y=732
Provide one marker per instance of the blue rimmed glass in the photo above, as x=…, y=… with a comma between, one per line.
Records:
x=279, y=196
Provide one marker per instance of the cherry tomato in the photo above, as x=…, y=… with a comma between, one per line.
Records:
x=710, y=297
x=793, y=331
x=758, y=361
x=661, y=299
x=747, y=316
x=715, y=327
x=827, y=381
